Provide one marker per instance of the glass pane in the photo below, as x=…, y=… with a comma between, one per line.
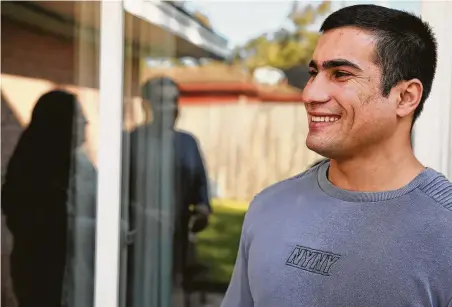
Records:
x=147, y=168
x=49, y=102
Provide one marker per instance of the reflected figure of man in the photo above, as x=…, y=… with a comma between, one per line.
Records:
x=34, y=199
x=167, y=177
x=370, y=226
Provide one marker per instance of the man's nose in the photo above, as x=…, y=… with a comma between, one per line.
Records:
x=316, y=91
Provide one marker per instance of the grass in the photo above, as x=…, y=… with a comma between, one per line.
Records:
x=218, y=244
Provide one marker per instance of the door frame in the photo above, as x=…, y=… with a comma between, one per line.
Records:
x=108, y=232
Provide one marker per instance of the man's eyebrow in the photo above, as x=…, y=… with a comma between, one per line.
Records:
x=335, y=63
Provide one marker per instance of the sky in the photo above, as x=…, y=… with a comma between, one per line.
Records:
x=240, y=20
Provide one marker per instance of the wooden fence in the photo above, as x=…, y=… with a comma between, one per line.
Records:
x=248, y=146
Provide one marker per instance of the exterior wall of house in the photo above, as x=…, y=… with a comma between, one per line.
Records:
x=433, y=131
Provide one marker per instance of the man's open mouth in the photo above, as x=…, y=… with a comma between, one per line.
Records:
x=324, y=119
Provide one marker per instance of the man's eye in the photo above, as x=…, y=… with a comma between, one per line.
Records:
x=341, y=74
x=313, y=73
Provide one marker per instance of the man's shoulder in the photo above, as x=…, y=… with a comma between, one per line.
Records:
x=179, y=135
x=438, y=189
x=185, y=135
x=433, y=225
x=186, y=142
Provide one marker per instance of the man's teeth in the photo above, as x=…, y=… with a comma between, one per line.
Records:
x=324, y=118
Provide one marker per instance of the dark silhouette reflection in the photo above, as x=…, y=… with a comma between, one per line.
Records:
x=34, y=198
x=168, y=199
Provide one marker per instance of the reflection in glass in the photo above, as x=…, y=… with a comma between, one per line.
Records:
x=160, y=214
x=34, y=198
x=49, y=119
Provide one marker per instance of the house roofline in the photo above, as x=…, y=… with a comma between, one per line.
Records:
x=173, y=20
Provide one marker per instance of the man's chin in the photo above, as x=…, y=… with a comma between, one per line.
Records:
x=327, y=150
x=319, y=146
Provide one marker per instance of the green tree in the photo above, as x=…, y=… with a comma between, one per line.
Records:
x=284, y=49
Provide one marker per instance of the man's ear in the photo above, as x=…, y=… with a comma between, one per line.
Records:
x=409, y=94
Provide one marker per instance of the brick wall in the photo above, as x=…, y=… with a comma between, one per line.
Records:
x=29, y=59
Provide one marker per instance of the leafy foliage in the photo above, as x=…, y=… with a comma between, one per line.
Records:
x=284, y=49
x=218, y=244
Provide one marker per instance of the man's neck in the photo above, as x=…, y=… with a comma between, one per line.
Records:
x=377, y=170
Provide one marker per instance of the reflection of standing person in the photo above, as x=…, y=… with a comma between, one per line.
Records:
x=162, y=95
x=371, y=226
x=34, y=197
x=167, y=176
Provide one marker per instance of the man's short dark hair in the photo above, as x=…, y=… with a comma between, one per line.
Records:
x=405, y=49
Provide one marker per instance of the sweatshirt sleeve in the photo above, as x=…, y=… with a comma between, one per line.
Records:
x=239, y=293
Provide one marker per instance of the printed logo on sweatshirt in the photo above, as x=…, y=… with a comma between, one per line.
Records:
x=312, y=260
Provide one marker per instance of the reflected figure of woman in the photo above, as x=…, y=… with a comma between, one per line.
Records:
x=34, y=197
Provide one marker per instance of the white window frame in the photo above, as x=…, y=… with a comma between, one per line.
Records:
x=109, y=155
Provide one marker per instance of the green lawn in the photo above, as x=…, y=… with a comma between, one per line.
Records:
x=218, y=244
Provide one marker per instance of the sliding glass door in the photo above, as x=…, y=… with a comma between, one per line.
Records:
x=135, y=216
x=147, y=167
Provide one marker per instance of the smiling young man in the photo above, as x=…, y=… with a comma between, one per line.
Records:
x=372, y=226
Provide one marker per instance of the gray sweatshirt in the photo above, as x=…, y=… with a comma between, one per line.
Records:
x=307, y=243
